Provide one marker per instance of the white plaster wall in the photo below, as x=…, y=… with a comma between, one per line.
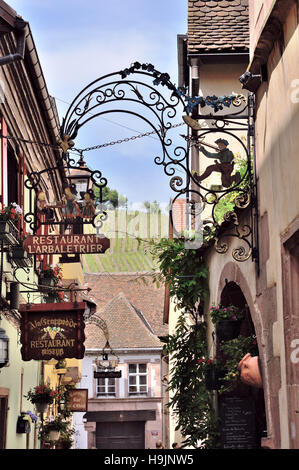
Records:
x=153, y=429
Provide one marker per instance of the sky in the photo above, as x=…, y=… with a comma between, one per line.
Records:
x=79, y=41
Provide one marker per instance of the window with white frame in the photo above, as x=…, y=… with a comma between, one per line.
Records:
x=137, y=379
x=106, y=387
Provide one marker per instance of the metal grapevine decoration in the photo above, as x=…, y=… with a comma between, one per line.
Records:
x=144, y=92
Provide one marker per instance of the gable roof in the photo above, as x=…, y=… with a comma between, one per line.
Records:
x=145, y=297
x=218, y=26
x=126, y=327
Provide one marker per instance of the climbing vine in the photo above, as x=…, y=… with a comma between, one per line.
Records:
x=185, y=273
x=189, y=399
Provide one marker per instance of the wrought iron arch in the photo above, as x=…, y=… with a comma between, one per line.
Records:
x=137, y=91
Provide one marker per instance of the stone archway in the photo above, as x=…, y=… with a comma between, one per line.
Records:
x=232, y=276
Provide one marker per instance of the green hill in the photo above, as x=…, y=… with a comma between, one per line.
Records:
x=125, y=254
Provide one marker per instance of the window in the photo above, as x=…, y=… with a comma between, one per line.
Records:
x=137, y=379
x=106, y=387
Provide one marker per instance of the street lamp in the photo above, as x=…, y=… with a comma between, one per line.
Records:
x=109, y=360
x=4, y=352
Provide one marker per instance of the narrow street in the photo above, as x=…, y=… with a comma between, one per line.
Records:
x=149, y=229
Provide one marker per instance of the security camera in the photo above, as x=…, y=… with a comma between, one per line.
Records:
x=245, y=77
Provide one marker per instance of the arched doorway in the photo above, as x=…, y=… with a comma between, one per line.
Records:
x=242, y=410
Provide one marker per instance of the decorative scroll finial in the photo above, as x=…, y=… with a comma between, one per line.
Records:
x=65, y=143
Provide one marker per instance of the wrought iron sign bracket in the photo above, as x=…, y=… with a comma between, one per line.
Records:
x=136, y=91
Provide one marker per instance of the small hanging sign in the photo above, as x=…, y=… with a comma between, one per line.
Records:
x=107, y=374
x=52, y=331
x=78, y=399
x=66, y=244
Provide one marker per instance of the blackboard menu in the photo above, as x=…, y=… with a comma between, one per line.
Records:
x=237, y=423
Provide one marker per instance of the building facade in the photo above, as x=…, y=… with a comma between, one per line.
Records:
x=265, y=285
x=128, y=411
x=28, y=143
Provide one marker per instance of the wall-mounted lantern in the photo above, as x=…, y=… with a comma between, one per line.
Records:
x=81, y=178
x=4, y=348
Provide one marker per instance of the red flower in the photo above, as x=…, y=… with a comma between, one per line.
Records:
x=199, y=361
x=209, y=361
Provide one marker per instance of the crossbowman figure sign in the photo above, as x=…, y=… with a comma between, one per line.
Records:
x=223, y=159
x=225, y=165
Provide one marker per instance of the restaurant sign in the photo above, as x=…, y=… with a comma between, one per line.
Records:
x=66, y=244
x=52, y=331
x=78, y=399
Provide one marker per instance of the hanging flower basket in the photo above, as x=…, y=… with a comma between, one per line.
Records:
x=54, y=435
x=53, y=428
x=41, y=396
x=228, y=321
x=41, y=407
x=228, y=329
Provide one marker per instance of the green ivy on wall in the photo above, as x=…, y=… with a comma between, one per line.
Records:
x=189, y=399
x=185, y=273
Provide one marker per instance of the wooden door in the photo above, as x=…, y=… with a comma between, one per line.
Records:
x=3, y=420
x=120, y=435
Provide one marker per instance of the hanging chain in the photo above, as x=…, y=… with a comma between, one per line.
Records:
x=87, y=149
x=127, y=139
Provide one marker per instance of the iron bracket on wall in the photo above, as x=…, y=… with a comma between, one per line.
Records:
x=136, y=91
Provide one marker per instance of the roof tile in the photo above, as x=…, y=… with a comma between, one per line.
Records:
x=126, y=326
x=210, y=21
x=139, y=290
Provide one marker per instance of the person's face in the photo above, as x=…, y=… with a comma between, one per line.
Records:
x=87, y=197
x=221, y=146
x=68, y=192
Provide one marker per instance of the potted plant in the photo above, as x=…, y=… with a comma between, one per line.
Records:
x=227, y=320
x=9, y=216
x=23, y=424
x=51, y=276
x=66, y=438
x=54, y=427
x=232, y=353
x=41, y=396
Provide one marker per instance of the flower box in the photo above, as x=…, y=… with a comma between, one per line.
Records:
x=20, y=257
x=8, y=232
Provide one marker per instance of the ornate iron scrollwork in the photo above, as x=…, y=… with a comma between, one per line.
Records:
x=135, y=92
